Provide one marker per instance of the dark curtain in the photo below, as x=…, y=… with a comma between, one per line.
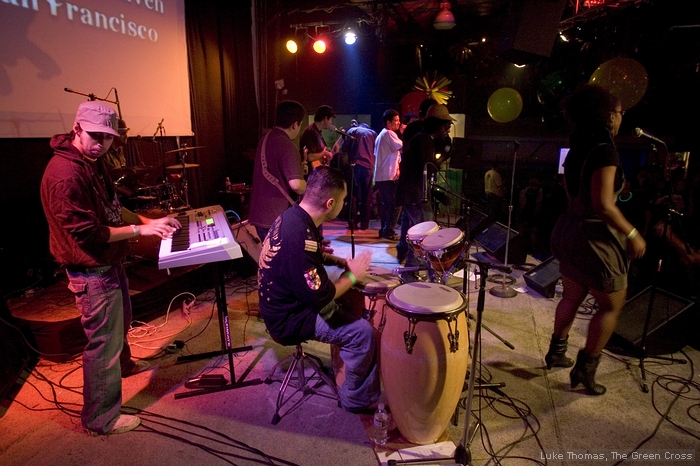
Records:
x=224, y=109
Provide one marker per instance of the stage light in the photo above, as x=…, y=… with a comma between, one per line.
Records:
x=292, y=46
x=445, y=19
x=350, y=37
x=319, y=46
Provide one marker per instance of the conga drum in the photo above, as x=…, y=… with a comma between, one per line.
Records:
x=368, y=299
x=424, y=354
x=443, y=247
x=417, y=232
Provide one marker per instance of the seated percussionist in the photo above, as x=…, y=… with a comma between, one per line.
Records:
x=298, y=300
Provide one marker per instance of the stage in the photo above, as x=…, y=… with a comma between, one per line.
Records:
x=534, y=419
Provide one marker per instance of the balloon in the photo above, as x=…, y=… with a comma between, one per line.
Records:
x=505, y=105
x=624, y=78
x=411, y=101
x=553, y=88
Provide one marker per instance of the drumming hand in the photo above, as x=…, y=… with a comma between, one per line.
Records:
x=359, y=265
x=163, y=227
x=326, y=246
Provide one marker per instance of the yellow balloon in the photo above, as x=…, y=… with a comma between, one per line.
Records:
x=624, y=78
x=505, y=105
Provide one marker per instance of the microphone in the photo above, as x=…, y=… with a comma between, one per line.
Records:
x=341, y=132
x=640, y=133
x=424, y=198
x=400, y=270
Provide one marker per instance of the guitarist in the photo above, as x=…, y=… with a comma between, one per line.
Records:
x=312, y=146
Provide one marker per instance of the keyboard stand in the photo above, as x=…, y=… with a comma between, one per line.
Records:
x=222, y=307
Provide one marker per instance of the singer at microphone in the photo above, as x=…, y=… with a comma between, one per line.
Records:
x=340, y=131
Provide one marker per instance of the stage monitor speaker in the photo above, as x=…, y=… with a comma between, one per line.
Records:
x=493, y=240
x=478, y=221
x=544, y=277
x=530, y=29
x=671, y=322
x=15, y=351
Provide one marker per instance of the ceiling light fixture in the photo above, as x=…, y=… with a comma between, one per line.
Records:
x=445, y=19
x=350, y=37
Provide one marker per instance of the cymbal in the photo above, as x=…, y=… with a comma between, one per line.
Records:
x=182, y=165
x=184, y=149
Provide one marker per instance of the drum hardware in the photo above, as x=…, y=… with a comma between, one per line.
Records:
x=183, y=166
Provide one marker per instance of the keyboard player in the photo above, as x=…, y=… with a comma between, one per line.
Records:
x=88, y=233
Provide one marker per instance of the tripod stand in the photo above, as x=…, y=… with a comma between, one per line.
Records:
x=462, y=454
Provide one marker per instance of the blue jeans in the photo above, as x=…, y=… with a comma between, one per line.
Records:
x=359, y=351
x=102, y=297
x=362, y=191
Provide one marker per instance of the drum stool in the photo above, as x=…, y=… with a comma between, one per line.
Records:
x=308, y=385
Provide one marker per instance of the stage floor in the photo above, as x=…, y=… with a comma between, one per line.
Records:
x=534, y=419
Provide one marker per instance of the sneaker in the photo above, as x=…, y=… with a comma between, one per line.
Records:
x=140, y=365
x=390, y=236
x=125, y=423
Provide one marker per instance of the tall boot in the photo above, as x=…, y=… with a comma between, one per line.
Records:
x=556, y=356
x=584, y=372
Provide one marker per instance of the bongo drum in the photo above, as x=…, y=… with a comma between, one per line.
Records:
x=443, y=247
x=424, y=354
x=417, y=232
x=367, y=299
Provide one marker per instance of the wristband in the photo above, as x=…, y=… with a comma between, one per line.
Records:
x=136, y=230
x=351, y=276
x=632, y=234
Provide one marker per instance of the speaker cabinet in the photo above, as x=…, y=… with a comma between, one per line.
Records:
x=529, y=30
x=543, y=278
x=478, y=221
x=671, y=322
x=16, y=355
x=493, y=240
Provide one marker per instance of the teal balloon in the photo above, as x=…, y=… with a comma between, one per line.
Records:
x=625, y=78
x=553, y=88
x=505, y=105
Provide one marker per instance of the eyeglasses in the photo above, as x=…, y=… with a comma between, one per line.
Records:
x=621, y=112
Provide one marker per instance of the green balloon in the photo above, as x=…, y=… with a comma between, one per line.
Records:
x=505, y=105
x=624, y=78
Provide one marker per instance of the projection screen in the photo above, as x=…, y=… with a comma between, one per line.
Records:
x=131, y=49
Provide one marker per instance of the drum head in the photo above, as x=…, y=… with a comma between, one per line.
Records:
x=427, y=300
x=421, y=230
x=378, y=280
x=442, y=239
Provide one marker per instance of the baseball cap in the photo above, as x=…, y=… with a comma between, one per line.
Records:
x=440, y=111
x=96, y=117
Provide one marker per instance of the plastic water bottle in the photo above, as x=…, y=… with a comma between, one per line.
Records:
x=381, y=425
x=558, y=289
x=228, y=184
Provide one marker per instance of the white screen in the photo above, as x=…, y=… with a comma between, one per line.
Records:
x=49, y=45
x=563, y=152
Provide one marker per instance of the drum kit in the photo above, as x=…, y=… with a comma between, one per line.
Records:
x=133, y=185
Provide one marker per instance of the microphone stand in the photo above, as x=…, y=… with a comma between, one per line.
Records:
x=506, y=291
x=351, y=209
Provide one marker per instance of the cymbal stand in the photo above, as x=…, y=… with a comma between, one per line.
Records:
x=184, y=185
x=462, y=454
